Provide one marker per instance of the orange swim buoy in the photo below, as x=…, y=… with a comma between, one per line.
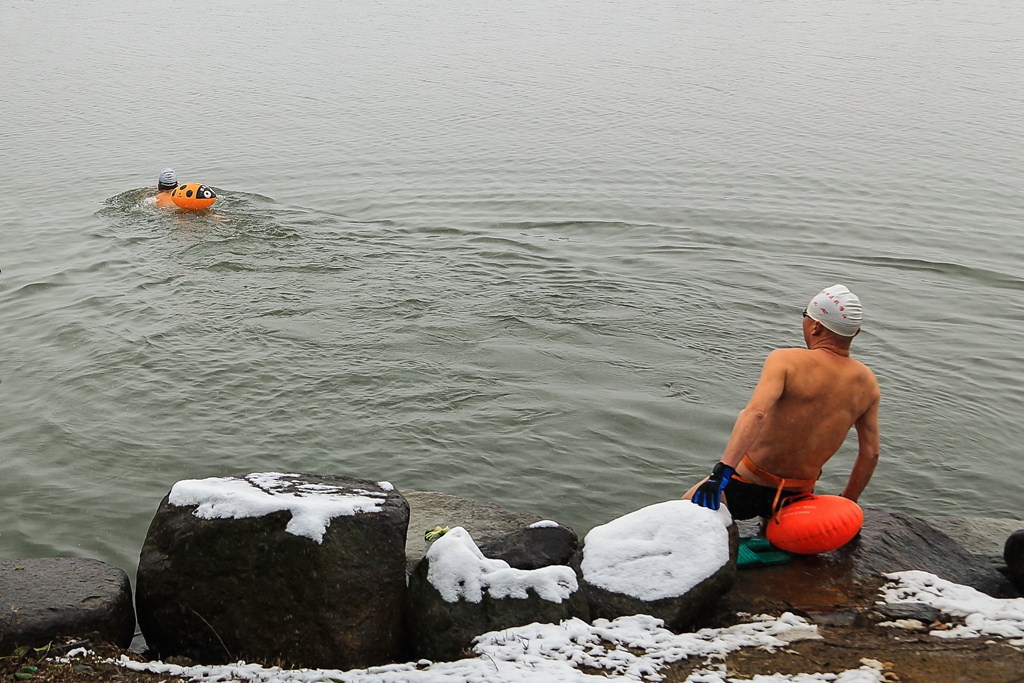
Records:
x=815, y=524
x=193, y=196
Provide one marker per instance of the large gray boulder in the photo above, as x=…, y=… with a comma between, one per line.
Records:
x=981, y=536
x=456, y=594
x=671, y=560
x=894, y=541
x=306, y=569
x=43, y=599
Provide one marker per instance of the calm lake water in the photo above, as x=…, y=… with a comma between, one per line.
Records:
x=531, y=252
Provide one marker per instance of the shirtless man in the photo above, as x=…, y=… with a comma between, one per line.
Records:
x=799, y=415
x=167, y=181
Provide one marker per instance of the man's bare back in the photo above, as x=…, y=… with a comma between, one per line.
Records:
x=823, y=395
x=804, y=405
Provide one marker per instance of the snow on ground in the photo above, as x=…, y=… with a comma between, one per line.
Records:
x=459, y=571
x=659, y=551
x=312, y=505
x=628, y=649
x=983, y=615
x=871, y=672
x=636, y=648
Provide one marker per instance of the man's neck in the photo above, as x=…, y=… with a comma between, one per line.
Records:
x=831, y=347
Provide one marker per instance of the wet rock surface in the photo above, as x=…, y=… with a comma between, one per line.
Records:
x=219, y=590
x=848, y=579
x=43, y=598
x=981, y=536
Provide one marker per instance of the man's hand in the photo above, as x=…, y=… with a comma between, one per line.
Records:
x=709, y=494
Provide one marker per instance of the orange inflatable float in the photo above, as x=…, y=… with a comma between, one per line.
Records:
x=193, y=196
x=815, y=524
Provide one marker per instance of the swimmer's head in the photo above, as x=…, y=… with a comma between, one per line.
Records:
x=168, y=179
x=838, y=309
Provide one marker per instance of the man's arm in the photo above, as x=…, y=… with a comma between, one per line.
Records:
x=744, y=433
x=868, y=448
x=750, y=421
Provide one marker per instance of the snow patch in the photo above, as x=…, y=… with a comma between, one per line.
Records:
x=907, y=624
x=869, y=673
x=459, y=571
x=312, y=505
x=627, y=649
x=543, y=524
x=983, y=615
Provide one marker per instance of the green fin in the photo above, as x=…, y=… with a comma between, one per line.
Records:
x=747, y=558
x=757, y=551
x=757, y=543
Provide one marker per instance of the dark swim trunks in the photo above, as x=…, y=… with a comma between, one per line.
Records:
x=746, y=500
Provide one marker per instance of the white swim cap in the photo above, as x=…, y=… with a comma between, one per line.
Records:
x=168, y=179
x=838, y=309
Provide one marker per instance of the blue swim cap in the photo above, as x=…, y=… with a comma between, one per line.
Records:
x=168, y=179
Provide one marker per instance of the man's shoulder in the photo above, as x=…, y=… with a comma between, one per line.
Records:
x=804, y=356
x=795, y=350
x=788, y=353
x=785, y=360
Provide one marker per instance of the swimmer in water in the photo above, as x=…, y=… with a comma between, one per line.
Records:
x=167, y=181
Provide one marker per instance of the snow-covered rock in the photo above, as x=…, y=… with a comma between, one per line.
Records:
x=308, y=569
x=669, y=560
x=455, y=594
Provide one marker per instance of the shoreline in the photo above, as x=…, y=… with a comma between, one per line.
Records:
x=981, y=537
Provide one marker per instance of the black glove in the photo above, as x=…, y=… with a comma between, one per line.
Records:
x=709, y=494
